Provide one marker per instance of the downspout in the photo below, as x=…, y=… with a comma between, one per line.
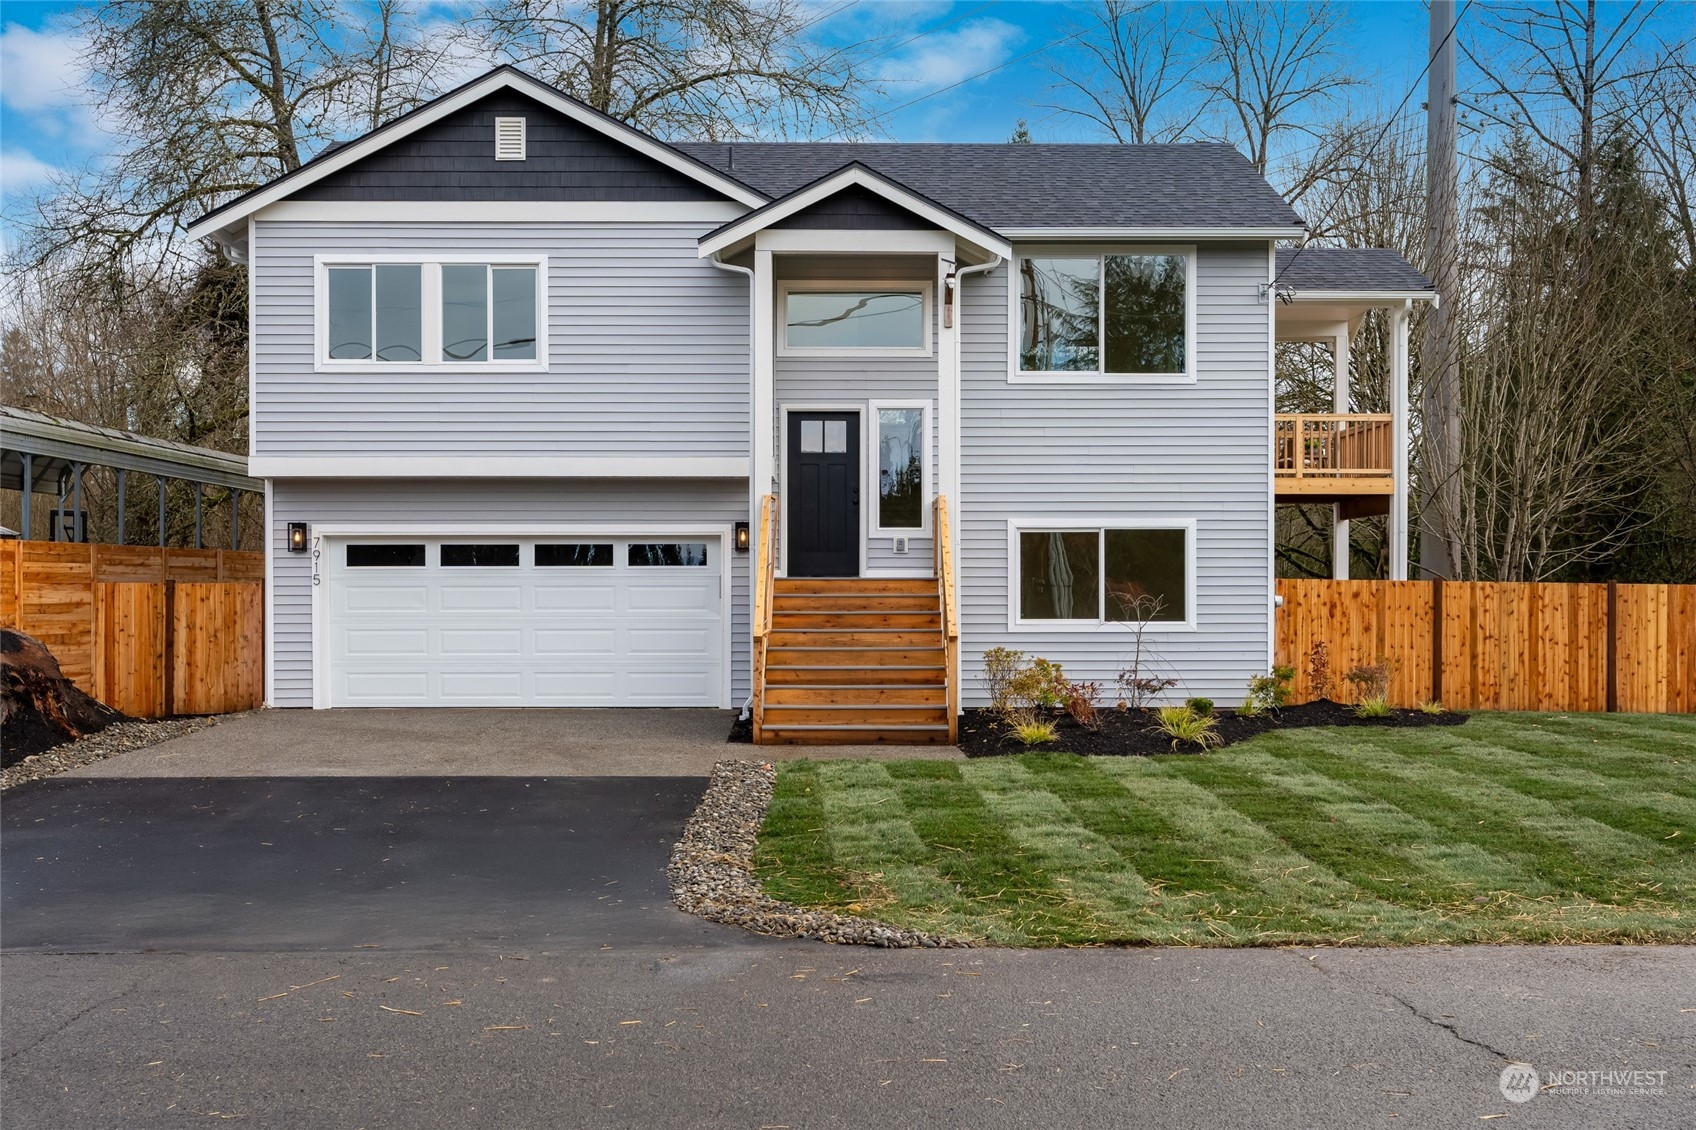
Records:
x=959, y=336
x=753, y=501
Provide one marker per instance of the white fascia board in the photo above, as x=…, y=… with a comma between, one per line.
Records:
x=435, y=111
x=1386, y=296
x=713, y=212
x=499, y=467
x=1130, y=233
x=847, y=178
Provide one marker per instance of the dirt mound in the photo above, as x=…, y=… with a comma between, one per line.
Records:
x=39, y=707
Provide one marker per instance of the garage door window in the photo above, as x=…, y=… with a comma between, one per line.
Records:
x=673, y=553
x=480, y=556
x=385, y=556
x=594, y=555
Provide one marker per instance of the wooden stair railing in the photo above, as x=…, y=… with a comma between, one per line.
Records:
x=765, y=576
x=944, y=545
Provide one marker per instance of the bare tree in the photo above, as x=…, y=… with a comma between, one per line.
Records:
x=1135, y=78
x=685, y=69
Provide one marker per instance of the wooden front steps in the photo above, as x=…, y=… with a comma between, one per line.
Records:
x=855, y=660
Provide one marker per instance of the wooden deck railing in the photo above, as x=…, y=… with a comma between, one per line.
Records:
x=1331, y=446
x=944, y=545
x=765, y=577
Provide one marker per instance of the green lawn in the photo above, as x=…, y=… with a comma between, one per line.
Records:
x=1568, y=827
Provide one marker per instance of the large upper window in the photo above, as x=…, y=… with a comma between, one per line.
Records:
x=430, y=313
x=892, y=320
x=1104, y=575
x=1119, y=314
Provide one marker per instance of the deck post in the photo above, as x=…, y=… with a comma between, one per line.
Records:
x=1340, y=404
x=1399, y=321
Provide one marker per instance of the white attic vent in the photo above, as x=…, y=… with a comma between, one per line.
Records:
x=509, y=139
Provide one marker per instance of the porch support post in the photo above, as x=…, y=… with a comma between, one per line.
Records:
x=198, y=542
x=1399, y=320
x=235, y=519
x=121, y=485
x=1340, y=402
x=161, y=480
x=764, y=419
x=79, y=532
x=948, y=389
x=29, y=489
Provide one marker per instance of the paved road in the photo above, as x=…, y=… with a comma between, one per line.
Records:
x=590, y=1009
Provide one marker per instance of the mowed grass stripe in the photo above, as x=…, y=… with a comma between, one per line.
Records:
x=1635, y=739
x=1568, y=852
x=993, y=875
x=793, y=857
x=1560, y=746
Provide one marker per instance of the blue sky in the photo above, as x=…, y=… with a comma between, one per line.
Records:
x=969, y=69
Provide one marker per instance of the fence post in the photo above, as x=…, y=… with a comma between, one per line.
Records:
x=1613, y=647
x=1437, y=639
x=170, y=635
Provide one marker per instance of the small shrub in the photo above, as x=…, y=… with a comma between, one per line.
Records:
x=1000, y=666
x=1319, y=671
x=1268, y=692
x=1372, y=707
x=1184, y=726
x=1081, y=700
x=1033, y=731
x=1372, y=680
x=1037, y=685
x=1432, y=707
x=1202, y=706
x=1137, y=691
x=1138, y=685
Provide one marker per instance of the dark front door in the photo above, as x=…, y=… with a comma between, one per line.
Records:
x=823, y=520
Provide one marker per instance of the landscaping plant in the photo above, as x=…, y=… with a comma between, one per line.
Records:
x=1138, y=685
x=1000, y=667
x=1033, y=732
x=1268, y=692
x=1432, y=707
x=1081, y=699
x=1372, y=682
x=1185, y=727
x=1202, y=706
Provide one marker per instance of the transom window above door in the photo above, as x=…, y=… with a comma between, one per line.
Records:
x=431, y=314
x=857, y=319
x=1115, y=315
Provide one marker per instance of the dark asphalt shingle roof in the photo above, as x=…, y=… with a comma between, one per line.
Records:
x=1347, y=268
x=1027, y=186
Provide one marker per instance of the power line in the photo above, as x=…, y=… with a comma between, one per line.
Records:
x=1382, y=134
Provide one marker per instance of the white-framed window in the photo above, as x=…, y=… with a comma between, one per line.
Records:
x=399, y=313
x=1091, y=576
x=900, y=467
x=855, y=319
x=1103, y=314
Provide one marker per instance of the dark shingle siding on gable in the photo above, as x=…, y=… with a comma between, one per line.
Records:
x=1030, y=186
x=454, y=159
x=855, y=209
x=1348, y=268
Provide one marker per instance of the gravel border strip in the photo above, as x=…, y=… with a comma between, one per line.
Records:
x=712, y=871
x=120, y=737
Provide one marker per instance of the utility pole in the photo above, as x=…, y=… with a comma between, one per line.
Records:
x=1440, y=360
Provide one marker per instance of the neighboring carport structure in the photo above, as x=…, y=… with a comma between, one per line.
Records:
x=41, y=454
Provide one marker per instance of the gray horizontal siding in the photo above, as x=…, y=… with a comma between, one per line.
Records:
x=454, y=159
x=520, y=501
x=648, y=350
x=859, y=381
x=1145, y=451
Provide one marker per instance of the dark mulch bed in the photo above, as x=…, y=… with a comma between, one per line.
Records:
x=1133, y=733
x=741, y=731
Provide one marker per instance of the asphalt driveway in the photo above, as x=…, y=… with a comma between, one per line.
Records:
x=340, y=863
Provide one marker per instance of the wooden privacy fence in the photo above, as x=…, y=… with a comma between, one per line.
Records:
x=1477, y=645
x=149, y=631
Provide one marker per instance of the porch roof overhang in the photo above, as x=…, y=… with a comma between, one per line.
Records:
x=983, y=243
x=53, y=445
x=1321, y=288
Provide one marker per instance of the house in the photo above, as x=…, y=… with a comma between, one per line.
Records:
x=553, y=413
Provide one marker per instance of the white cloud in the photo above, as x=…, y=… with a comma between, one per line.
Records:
x=42, y=69
x=21, y=170
x=953, y=55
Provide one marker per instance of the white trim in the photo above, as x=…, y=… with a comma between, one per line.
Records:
x=1271, y=448
x=430, y=296
x=498, y=467
x=713, y=212
x=1124, y=233
x=858, y=407
x=1399, y=350
x=863, y=178
x=874, y=471
x=1049, y=524
x=763, y=343
x=835, y=241
x=252, y=337
x=269, y=545
x=340, y=531
x=1017, y=376
x=1297, y=297
x=817, y=286
x=504, y=79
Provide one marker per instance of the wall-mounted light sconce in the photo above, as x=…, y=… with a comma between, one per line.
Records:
x=297, y=537
x=743, y=539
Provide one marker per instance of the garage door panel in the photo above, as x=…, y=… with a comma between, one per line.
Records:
x=526, y=635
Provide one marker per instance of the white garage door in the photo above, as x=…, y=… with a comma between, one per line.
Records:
x=490, y=621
